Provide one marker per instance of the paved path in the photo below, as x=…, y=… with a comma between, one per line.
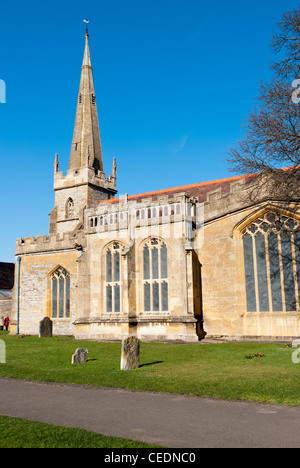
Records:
x=175, y=421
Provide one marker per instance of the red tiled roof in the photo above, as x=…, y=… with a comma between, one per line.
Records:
x=195, y=190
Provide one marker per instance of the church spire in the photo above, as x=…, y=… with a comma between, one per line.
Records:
x=86, y=137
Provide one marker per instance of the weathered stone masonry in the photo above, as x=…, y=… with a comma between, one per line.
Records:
x=176, y=264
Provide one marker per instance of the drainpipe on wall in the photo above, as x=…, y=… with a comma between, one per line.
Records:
x=18, y=297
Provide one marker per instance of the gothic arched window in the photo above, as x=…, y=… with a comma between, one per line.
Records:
x=272, y=264
x=155, y=276
x=60, y=292
x=113, y=279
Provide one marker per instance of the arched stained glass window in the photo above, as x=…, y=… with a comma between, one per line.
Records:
x=60, y=289
x=113, y=279
x=272, y=264
x=155, y=276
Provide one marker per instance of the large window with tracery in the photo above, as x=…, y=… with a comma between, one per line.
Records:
x=155, y=276
x=60, y=292
x=272, y=264
x=113, y=279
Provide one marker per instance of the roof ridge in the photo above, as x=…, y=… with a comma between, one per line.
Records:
x=172, y=189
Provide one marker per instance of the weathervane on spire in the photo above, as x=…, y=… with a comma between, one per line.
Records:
x=87, y=28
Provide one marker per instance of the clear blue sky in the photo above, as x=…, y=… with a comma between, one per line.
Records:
x=174, y=80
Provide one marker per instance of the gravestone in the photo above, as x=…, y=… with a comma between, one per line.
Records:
x=130, y=357
x=2, y=352
x=80, y=356
x=45, y=328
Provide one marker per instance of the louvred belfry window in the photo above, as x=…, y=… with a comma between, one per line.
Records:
x=272, y=264
x=70, y=208
x=60, y=287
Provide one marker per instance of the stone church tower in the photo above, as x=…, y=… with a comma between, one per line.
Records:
x=85, y=184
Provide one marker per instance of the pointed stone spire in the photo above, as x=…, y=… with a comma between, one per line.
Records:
x=86, y=137
x=86, y=57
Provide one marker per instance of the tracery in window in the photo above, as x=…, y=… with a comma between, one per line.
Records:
x=113, y=279
x=155, y=276
x=60, y=293
x=272, y=264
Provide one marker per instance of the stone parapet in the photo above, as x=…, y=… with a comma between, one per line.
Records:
x=126, y=213
x=52, y=243
x=218, y=203
x=242, y=194
x=83, y=175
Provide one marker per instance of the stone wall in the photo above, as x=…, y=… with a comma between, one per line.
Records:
x=178, y=322
x=5, y=306
x=206, y=278
x=223, y=277
x=40, y=257
x=35, y=292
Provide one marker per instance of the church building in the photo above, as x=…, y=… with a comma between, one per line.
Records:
x=172, y=265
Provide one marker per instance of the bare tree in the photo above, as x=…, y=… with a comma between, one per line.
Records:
x=270, y=150
x=287, y=40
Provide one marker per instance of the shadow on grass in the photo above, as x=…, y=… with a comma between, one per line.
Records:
x=151, y=363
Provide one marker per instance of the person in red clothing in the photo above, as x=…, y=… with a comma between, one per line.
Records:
x=6, y=323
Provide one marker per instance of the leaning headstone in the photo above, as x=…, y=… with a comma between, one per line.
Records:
x=80, y=356
x=45, y=328
x=130, y=358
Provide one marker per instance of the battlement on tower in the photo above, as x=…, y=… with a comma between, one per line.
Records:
x=82, y=176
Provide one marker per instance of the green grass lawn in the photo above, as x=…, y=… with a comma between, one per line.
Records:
x=213, y=370
x=19, y=433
